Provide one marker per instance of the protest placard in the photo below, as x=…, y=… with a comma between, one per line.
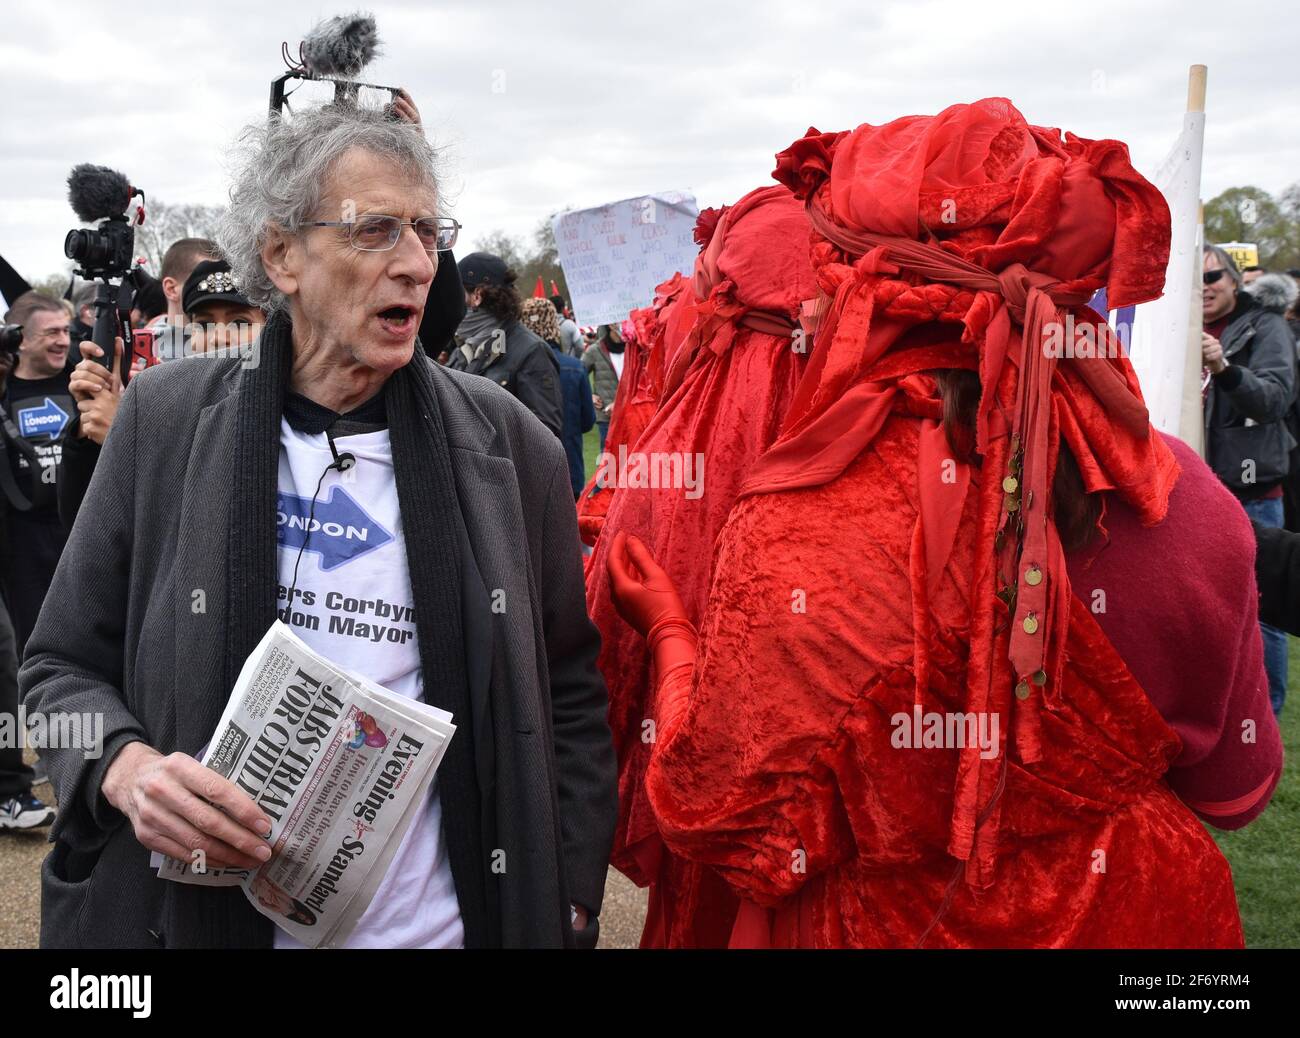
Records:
x=614, y=255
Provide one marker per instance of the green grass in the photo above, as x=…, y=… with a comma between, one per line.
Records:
x=1265, y=856
x=590, y=449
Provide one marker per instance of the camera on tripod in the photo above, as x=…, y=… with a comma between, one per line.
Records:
x=106, y=253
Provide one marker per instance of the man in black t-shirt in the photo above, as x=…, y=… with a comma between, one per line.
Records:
x=39, y=409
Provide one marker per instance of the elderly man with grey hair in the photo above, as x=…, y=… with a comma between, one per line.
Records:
x=187, y=549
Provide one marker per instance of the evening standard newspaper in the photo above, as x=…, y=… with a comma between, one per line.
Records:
x=340, y=765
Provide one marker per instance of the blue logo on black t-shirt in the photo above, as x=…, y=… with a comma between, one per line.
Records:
x=46, y=420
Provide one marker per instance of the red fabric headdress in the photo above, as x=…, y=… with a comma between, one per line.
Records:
x=974, y=217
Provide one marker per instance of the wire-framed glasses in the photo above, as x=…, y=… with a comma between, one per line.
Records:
x=377, y=233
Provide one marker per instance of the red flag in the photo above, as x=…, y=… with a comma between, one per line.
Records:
x=555, y=289
x=539, y=292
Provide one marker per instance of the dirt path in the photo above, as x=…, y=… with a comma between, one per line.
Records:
x=20, y=868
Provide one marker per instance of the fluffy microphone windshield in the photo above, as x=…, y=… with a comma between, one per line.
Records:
x=97, y=191
x=341, y=47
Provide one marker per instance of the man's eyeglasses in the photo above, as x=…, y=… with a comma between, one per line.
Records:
x=374, y=233
x=1209, y=277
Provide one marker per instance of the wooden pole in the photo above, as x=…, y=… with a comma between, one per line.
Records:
x=1192, y=422
x=1196, y=88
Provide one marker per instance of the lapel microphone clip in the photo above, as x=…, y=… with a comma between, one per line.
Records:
x=343, y=461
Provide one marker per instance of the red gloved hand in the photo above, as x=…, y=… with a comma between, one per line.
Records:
x=645, y=597
x=643, y=593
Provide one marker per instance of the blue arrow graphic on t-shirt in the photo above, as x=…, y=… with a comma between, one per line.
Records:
x=46, y=420
x=340, y=528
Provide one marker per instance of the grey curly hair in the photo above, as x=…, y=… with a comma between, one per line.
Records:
x=285, y=165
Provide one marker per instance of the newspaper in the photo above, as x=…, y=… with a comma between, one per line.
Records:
x=341, y=766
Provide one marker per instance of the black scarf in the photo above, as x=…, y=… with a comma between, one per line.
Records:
x=426, y=494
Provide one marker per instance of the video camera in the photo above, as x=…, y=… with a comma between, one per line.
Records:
x=107, y=253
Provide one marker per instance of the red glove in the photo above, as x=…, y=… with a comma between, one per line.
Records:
x=645, y=597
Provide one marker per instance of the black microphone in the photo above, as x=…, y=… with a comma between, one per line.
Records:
x=339, y=48
x=343, y=461
x=97, y=191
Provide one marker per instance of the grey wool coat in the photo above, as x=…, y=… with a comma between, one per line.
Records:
x=121, y=634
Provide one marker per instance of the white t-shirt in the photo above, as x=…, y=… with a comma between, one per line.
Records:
x=353, y=604
x=617, y=360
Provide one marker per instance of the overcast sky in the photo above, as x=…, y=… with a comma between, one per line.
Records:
x=541, y=106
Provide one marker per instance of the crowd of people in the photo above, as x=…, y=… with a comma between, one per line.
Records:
x=197, y=307
x=570, y=387
x=916, y=517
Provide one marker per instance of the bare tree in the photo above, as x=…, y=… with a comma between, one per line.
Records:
x=55, y=285
x=502, y=245
x=1288, y=254
x=530, y=259
x=546, y=260
x=166, y=224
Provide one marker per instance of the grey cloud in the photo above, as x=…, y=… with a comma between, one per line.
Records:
x=602, y=101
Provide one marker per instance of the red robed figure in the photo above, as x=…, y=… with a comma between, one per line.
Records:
x=893, y=556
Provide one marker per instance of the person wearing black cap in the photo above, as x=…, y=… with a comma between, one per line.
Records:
x=219, y=319
x=218, y=315
x=493, y=343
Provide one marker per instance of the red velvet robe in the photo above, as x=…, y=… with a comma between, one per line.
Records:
x=725, y=387
x=851, y=592
x=778, y=762
x=639, y=389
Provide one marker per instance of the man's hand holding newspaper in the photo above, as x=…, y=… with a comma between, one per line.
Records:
x=178, y=807
x=337, y=765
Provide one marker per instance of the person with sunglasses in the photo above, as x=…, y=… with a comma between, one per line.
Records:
x=1249, y=384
